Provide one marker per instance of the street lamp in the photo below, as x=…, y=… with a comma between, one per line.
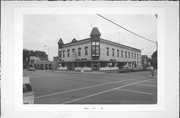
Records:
x=48, y=49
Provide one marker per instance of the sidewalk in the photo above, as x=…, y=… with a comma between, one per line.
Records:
x=85, y=72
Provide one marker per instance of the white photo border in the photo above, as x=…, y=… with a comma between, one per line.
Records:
x=18, y=48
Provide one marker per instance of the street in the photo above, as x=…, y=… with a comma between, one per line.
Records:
x=69, y=87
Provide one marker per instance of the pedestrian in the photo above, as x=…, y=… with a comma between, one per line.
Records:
x=152, y=70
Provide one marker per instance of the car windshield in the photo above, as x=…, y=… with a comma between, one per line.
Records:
x=27, y=88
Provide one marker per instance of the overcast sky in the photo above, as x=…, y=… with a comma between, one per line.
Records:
x=40, y=30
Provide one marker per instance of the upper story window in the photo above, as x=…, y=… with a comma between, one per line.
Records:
x=95, y=43
x=122, y=53
x=117, y=52
x=95, y=48
x=107, y=51
x=68, y=52
x=113, y=52
x=74, y=53
x=125, y=54
x=73, y=50
x=86, y=50
x=79, y=51
x=128, y=54
x=59, y=53
x=63, y=53
x=137, y=56
x=131, y=55
x=134, y=55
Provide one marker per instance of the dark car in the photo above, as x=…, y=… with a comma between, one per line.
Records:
x=125, y=69
x=31, y=69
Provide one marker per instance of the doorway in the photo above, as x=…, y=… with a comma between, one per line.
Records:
x=95, y=66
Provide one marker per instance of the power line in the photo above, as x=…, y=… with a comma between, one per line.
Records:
x=125, y=28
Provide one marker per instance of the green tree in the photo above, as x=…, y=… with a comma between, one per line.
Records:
x=154, y=59
x=27, y=53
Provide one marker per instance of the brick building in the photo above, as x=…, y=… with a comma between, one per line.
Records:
x=97, y=54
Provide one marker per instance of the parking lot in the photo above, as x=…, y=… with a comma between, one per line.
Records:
x=93, y=87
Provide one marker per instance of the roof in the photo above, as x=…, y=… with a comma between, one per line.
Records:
x=78, y=42
x=74, y=40
x=95, y=31
x=60, y=41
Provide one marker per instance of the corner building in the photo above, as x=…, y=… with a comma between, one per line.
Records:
x=97, y=54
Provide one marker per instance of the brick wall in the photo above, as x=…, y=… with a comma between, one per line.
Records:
x=103, y=54
x=82, y=46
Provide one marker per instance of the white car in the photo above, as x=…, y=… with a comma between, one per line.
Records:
x=28, y=94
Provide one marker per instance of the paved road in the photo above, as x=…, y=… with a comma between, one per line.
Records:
x=93, y=87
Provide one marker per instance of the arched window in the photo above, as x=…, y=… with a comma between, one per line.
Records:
x=117, y=52
x=125, y=54
x=86, y=50
x=79, y=51
x=113, y=52
x=107, y=51
x=68, y=52
x=63, y=53
x=121, y=53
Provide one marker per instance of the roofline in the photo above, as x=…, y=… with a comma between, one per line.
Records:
x=76, y=43
x=101, y=40
x=118, y=44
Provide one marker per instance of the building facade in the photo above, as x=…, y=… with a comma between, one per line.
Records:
x=97, y=54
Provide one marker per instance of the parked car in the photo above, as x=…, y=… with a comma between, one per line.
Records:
x=31, y=69
x=28, y=94
x=125, y=69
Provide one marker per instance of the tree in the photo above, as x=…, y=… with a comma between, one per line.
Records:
x=27, y=53
x=26, y=56
x=154, y=59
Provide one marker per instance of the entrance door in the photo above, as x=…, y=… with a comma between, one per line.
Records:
x=95, y=67
x=70, y=66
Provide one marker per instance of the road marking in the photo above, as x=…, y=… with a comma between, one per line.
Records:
x=57, y=93
x=147, y=85
x=136, y=91
x=103, y=92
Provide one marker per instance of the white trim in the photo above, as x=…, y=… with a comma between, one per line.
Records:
x=47, y=95
x=136, y=91
x=103, y=92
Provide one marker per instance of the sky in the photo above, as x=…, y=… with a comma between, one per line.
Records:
x=43, y=29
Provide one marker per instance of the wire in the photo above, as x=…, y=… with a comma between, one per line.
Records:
x=125, y=28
